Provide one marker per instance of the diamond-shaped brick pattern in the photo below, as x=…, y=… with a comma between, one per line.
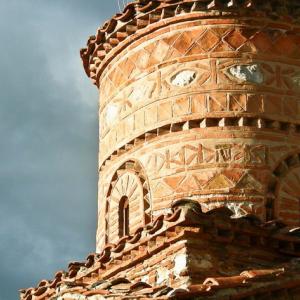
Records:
x=183, y=42
x=208, y=40
x=195, y=49
x=159, y=53
x=201, y=41
x=154, y=58
x=172, y=54
x=248, y=32
x=223, y=47
x=120, y=77
x=235, y=39
x=221, y=31
x=202, y=104
x=285, y=45
x=127, y=66
x=142, y=59
x=196, y=34
x=262, y=41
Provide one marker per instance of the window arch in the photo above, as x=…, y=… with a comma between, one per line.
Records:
x=283, y=201
x=128, y=202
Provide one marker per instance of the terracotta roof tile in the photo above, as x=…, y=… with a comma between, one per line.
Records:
x=208, y=287
x=226, y=282
x=185, y=213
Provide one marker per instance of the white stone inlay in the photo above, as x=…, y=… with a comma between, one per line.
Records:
x=247, y=73
x=183, y=78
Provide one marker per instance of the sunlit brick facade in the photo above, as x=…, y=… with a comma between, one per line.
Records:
x=199, y=164
x=197, y=105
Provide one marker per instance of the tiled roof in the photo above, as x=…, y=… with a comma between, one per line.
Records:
x=141, y=14
x=140, y=290
x=218, y=225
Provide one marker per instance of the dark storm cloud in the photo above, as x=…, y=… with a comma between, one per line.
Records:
x=48, y=138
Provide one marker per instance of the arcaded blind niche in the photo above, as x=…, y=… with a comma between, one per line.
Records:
x=197, y=103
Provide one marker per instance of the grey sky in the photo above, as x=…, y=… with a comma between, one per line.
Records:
x=48, y=138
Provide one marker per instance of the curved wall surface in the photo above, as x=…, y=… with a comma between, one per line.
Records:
x=201, y=108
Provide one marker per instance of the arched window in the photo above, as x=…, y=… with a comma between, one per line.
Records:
x=128, y=202
x=284, y=192
x=124, y=217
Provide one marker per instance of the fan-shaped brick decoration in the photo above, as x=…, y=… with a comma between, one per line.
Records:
x=130, y=182
x=284, y=191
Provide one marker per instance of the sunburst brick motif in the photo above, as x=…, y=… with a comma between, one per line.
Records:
x=288, y=206
x=128, y=185
x=284, y=191
x=128, y=181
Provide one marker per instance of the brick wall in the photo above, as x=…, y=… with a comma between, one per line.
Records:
x=209, y=110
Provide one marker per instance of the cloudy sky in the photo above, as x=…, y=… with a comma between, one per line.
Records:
x=48, y=131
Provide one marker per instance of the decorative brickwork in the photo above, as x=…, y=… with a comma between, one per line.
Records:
x=199, y=100
x=129, y=181
x=204, y=99
x=284, y=191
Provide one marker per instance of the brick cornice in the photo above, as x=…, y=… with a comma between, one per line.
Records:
x=154, y=14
